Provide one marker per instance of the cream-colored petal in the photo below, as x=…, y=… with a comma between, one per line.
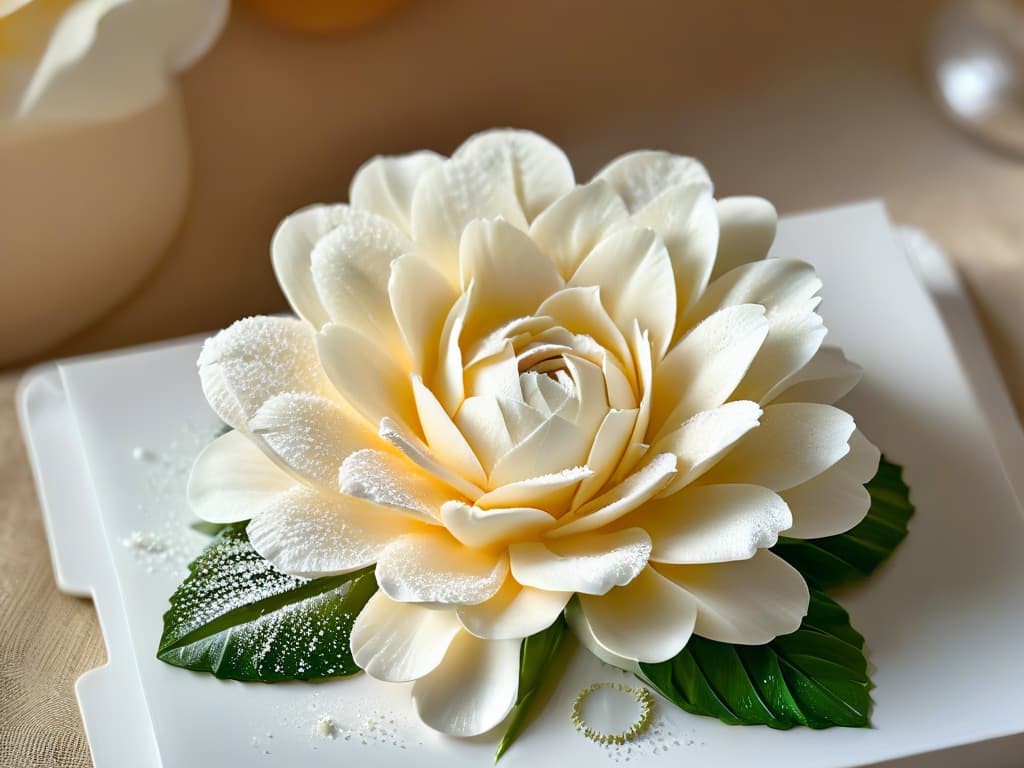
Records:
x=473, y=689
x=421, y=299
x=706, y=365
x=704, y=438
x=637, y=446
x=391, y=481
x=476, y=527
x=434, y=567
x=398, y=642
x=836, y=500
x=608, y=447
x=684, y=217
x=555, y=445
x=749, y=602
x=351, y=268
x=232, y=480
x=577, y=622
x=634, y=272
x=366, y=376
x=648, y=620
x=713, y=523
x=747, y=230
x=795, y=442
x=514, y=612
x=420, y=455
x=481, y=422
x=511, y=277
x=494, y=377
x=254, y=359
x=444, y=438
x=551, y=491
x=580, y=311
x=628, y=495
x=590, y=563
x=572, y=225
x=311, y=435
x=449, y=384
x=640, y=177
x=385, y=185
x=305, y=533
x=827, y=377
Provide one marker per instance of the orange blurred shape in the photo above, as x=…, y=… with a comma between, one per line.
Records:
x=322, y=15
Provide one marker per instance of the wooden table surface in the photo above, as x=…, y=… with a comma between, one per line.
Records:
x=809, y=104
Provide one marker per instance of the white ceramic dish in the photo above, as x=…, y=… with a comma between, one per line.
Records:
x=944, y=620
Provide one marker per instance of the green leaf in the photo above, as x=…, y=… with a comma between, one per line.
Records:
x=835, y=560
x=536, y=659
x=816, y=676
x=240, y=618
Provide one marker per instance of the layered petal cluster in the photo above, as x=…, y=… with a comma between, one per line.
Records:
x=518, y=395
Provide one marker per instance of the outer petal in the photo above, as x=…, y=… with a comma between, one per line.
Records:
x=436, y=568
x=640, y=177
x=749, y=602
x=385, y=185
x=291, y=253
x=826, y=378
x=254, y=359
x=713, y=523
x=311, y=434
x=473, y=689
x=747, y=230
x=398, y=642
x=589, y=563
x=649, y=620
x=305, y=533
x=577, y=622
x=795, y=442
x=232, y=480
x=569, y=228
x=514, y=612
x=483, y=528
x=836, y=500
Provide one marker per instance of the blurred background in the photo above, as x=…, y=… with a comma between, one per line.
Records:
x=146, y=212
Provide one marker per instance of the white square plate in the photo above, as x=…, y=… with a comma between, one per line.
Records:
x=944, y=620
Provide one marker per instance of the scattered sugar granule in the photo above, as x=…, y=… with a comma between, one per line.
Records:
x=326, y=728
x=142, y=454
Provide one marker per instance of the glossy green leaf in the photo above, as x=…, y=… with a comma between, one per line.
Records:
x=238, y=617
x=536, y=664
x=836, y=560
x=816, y=676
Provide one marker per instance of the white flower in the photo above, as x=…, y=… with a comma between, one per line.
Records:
x=507, y=389
x=83, y=61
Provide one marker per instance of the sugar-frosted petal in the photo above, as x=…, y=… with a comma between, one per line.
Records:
x=649, y=620
x=420, y=455
x=749, y=602
x=311, y=435
x=476, y=527
x=713, y=523
x=473, y=689
x=306, y=533
x=684, y=217
x=391, y=481
x=550, y=491
x=747, y=230
x=398, y=642
x=640, y=177
x=590, y=563
x=608, y=447
x=514, y=612
x=826, y=378
x=795, y=442
x=291, y=250
x=351, y=267
x=836, y=500
x=704, y=438
x=511, y=277
x=444, y=438
x=420, y=300
x=570, y=227
x=366, y=376
x=555, y=445
x=628, y=495
x=254, y=359
x=232, y=480
x=385, y=185
x=706, y=365
x=633, y=270
x=433, y=567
